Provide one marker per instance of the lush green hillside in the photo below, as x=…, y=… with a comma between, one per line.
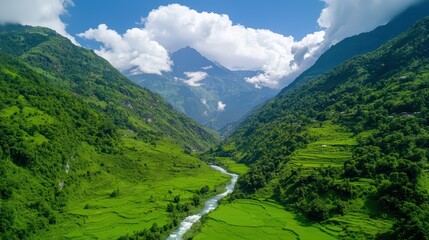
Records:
x=350, y=148
x=81, y=147
x=86, y=75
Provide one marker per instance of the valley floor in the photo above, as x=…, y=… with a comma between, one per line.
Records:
x=260, y=217
x=253, y=219
x=112, y=203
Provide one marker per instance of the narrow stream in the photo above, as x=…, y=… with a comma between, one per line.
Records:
x=209, y=206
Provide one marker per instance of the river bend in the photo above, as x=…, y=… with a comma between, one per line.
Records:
x=209, y=206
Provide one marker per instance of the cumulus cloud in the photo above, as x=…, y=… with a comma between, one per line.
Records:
x=45, y=13
x=135, y=50
x=341, y=19
x=279, y=58
x=221, y=106
x=294, y=57
x=194, y=78
x=344, y=18
x=234, y=46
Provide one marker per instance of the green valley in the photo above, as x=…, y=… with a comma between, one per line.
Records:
x=344, y=155
x=341, y=153
x=131, y=192
x=84, y=152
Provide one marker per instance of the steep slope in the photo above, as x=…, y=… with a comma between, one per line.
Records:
x=351, y=144
x=360, y=44
x=213, y=86
x=79, y=141
x=81, y=72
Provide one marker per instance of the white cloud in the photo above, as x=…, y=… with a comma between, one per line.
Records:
x=344, y=18
x=135, y=50
x=280, y=58
x=278, y=66
x=194, y=78
x=221, y=106
x=341, y=19
x=45, y=13
x=234, y=46
x=207, y=67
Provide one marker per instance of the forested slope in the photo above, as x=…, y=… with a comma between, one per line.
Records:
x=67, y=121
x=353, y=141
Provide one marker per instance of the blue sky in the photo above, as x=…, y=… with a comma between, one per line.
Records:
x=279, y=38
x=287, y=17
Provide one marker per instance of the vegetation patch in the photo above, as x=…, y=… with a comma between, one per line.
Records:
x=132, y=191
x=333, y=145
x=252, y=219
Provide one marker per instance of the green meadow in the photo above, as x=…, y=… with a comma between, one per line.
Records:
x=232, y=165
x=333, y=146
x=253, y=219
x=111, y=202
x=262, y=218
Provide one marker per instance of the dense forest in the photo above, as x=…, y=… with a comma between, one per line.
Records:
x=58, y=101
x=354, y=139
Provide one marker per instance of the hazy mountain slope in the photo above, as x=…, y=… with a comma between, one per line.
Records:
x=200, y=100
x=361, y=43
x=74, y=132
x=353, y=141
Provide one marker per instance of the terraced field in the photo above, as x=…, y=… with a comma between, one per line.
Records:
x=355, y=224
x=333, y=147
x=113, y=202
x=264, y=219
x=252, y=219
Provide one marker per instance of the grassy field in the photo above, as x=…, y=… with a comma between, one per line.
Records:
x=112, y=202
x=333, y=146
x=355, y=226
x=260, y=219
x=232, y=165
x=251, y=219
x=263, y=219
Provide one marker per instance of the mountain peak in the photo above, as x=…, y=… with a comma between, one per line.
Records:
x=188, y=49
x=188, y=54
x=188, y=59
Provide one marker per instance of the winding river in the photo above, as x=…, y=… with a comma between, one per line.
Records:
x=209, y=206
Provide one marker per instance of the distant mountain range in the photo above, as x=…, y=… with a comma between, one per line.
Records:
x=219, y=98
x=204, y=90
